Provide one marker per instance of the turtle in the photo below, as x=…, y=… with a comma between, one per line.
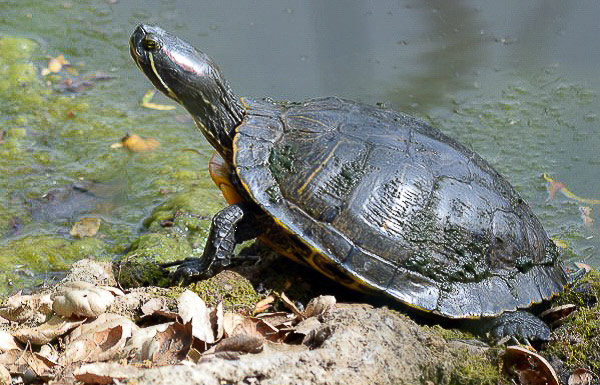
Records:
x=374, y=199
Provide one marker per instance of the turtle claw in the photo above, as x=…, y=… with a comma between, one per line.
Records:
x=188, y=270
x=520, y=325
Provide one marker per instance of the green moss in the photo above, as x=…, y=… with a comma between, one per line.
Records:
x=194, y=202
x=450, y=334
x=49, y=253
x=235, y=291
x=577, y=341
x=140, y=266
x=475, y=369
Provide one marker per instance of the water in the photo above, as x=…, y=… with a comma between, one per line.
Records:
x=516, y=81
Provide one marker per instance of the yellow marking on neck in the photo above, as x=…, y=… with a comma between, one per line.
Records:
x=319, y=167
x=169, y=92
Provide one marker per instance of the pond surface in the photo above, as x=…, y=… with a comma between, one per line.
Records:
x=516, y=81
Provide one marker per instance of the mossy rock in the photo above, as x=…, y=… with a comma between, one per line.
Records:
x=235, y=291
x=577, y=341
x=141, y=265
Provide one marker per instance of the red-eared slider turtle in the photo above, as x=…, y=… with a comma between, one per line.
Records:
x=372, y=198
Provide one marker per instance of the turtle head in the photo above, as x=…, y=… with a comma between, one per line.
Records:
x=189, y=77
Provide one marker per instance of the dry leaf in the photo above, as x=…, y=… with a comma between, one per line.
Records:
x=585, y=213
x=173, y=344
x=19, y=361
x=290, y=305
x=580, y=376
x=585, y=267
x=216, y=319
x=235, y=324
x=240, y=343
x=106, y=373
x=264, y=304
x=49, y=352
x=81, y=299
x=141, y=346
x=192, y=308
x=5, y=378
x=529, y=367
x=557, y=315
x=27, y=308
x=136, y=143
x=103, y=322
x=99, y=340
x=8, y=342
x=102, y=345
x=152, y=306
x=46, y=332
x=319, y=305
x=86, y=227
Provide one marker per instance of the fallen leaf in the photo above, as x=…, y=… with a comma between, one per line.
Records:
x=290, y=305
x=556, y=315
x=103, y=322
x=529, y=367
x=81, y=299
x=216, y=319
x=240, y=343
x=585, y=267
x=585, y=213
x=136, y=143
x=107, y=373
x=193, y=309
x=101, y=345
x=147, y=102
x=234, y=324
x=86, y=227
x=8, y=341
x=5, y=378
x=84, y=83
x=264, y=304
x=173, y=344
x=141, y=346
x=580, y=376
x=27, y=308
x=46, y=332
x=19, y=361
x=48, y=351
x=319, y=305
x=152, y=306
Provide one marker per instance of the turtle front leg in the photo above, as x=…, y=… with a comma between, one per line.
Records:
x=230, y=226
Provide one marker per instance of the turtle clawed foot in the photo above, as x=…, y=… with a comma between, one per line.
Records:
x=188, y=270
x=519, y=325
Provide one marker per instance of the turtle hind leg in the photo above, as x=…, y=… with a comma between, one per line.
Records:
x=522, y=325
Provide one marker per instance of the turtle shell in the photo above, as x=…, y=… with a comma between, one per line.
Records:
x=380, y=200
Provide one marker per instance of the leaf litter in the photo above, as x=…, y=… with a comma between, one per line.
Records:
x=69, y=332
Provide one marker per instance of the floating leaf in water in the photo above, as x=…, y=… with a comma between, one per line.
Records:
x=147, y=102
x=552, y=186
x=136, y=143
x=585, y=213
x=55, y=65
x=86, y=227
x=85, y=82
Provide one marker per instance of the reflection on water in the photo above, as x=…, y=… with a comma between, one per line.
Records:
x=516, y=81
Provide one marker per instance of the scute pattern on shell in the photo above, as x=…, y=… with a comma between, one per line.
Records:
x=378, y=199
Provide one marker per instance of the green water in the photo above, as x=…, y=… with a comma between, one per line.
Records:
x=516, y=82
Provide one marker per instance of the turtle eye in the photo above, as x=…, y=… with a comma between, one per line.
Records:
x=149, y=43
